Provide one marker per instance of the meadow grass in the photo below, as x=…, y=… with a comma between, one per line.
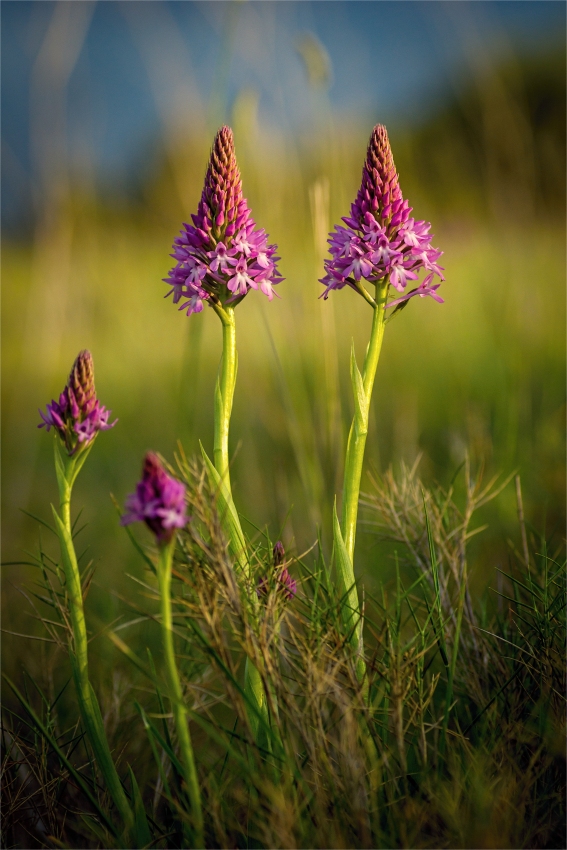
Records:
x=457, y=744
x=453, y=738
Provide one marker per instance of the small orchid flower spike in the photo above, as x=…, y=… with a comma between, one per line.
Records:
x=222, y=255
x=159, y=501
x=78, y=416
x=380, y=240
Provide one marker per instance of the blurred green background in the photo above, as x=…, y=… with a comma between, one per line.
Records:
x=474, y=99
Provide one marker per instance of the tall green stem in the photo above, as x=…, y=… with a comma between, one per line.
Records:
x=176, y=694
x=359, y=428
x=67, y=471
x=224, y=393
x=344, y=538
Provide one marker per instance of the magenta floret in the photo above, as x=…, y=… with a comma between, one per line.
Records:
x=159, y=501
x=380, y=239
x=222, y=255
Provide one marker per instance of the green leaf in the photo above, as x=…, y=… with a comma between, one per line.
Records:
x=79, y=461
x=152, y=731
x=229, y=515
x=38, y=519
x=142, y=835
x=149, y=730
x=360, y=400
x=59, y=467
x=218, y=393
x=347, y=585
x=97, y=716
x=67, y=548
x=254, y=690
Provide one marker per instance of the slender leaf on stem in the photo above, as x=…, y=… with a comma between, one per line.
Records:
x=361, y=401
x=348, y=593
x=228, y=515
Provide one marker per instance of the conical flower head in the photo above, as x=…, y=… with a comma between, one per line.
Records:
x=159, y=501
x=222, y=255
x=381, y=242
x=81, y=381
x=380, y=187
x=78, y=416
x=222, y=208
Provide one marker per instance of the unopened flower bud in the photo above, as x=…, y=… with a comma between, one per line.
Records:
x=81, y=381
x=279, y=554
x=286, y=584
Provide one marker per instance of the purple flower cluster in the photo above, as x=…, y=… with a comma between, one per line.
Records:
x=222, y=255
x=285, y=583
x=380, y=239
x=159, y=501
x=78, y=416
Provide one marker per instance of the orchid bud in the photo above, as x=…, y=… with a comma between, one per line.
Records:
x=78, y=416
x=285, y=583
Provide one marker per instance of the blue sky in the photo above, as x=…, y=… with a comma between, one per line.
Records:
x=140, y=60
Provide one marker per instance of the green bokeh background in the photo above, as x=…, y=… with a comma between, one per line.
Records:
x=483, y=373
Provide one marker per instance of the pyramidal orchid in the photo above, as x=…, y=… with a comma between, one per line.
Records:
x=381, y=244
x=222, y=255
x=159, y=501
x=380, y=240
x=219, y=258
x=77, y=418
